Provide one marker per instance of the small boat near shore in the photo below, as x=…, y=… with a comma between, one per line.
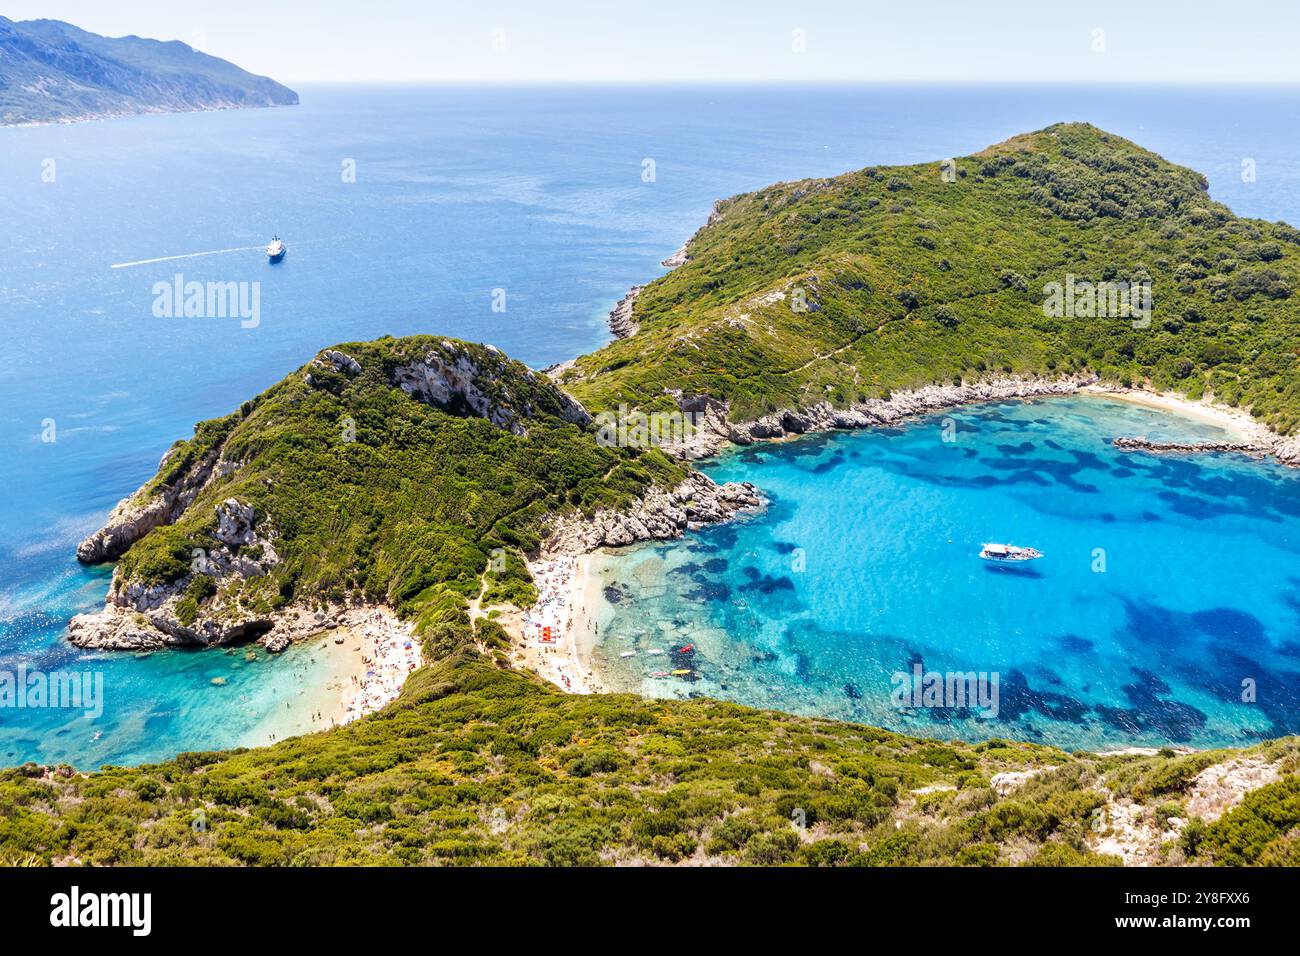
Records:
x=276, y=249
x=1008, y=552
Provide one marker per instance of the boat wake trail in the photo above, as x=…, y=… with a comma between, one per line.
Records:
x=188, y=255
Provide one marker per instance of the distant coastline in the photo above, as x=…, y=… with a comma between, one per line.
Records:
x=126, y=114
x=54, y=72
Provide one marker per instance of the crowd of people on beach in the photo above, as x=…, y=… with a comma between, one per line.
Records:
x=550, y=629
x=551, y=616
x=389, y=652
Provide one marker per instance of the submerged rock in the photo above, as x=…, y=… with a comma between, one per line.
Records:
x=1192, y=447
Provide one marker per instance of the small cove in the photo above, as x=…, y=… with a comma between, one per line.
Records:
x=1165, y=597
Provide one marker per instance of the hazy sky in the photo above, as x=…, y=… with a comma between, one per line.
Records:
x=719, y=40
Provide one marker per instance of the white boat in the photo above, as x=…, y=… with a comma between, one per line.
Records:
x=1008, y=552
x=275, y=250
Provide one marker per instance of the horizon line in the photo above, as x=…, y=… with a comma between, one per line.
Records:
x=605, y=82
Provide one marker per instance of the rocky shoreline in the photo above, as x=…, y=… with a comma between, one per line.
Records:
x=121, y=627
x=1259, y=449
x=138, y=615
x=678, y=258
x=621, y=322
x=133, y=518
x=660, y=515
x=712, y=432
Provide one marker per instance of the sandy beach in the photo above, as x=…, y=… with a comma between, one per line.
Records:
x=1242, y=426
x=549, y=636
x=371, y=655
x=385, y=652
x=338, y=675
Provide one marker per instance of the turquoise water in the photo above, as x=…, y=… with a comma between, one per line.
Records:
x=1166, y=581
x=459, y=191
x=158, y=704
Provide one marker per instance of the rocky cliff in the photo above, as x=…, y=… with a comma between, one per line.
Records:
x=380, y=473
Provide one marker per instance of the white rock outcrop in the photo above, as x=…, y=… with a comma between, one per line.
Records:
x=135, y=517
x=713, y=432
x=453, y=380
x=660, y=514
x=140, y=616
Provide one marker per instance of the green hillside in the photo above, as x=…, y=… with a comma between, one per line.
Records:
x=360, y=493
x=475, y=765
x=909, y=278
x=390, y=471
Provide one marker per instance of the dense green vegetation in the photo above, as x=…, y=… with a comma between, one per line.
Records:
x=372, y=495
x=368, y=494
x=910, y=279
x=1262, y=831
x=476, y=764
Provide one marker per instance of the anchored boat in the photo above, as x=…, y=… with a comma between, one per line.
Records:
x=1008, y=552
x=275, y=250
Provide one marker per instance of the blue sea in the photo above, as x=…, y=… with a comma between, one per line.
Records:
x=1164, y=609
x=465, y=197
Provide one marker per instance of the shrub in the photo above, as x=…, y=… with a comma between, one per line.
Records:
x=978, y=854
